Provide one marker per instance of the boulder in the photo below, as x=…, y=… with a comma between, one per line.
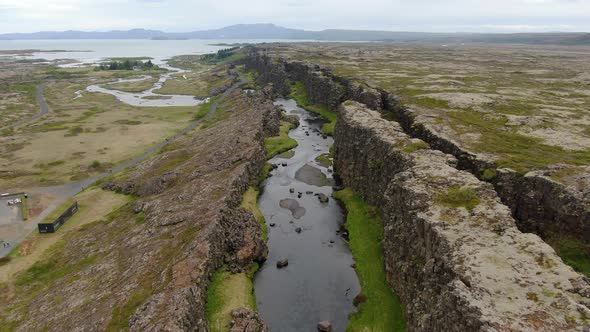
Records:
x=282, y=263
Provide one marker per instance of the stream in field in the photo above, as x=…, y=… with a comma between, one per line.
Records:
x=319, y=282
x=148, y=98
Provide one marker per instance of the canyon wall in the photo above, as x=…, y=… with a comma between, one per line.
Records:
x=538, y=203
x=454, y=268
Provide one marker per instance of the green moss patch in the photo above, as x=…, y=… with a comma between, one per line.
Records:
x=381, y=309
x=574, y=253
x=324, y=160
x=281, y=143
x=250, y=203
x=412, y=147
x=458, y=196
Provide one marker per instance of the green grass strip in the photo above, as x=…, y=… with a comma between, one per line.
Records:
x=227, y=292
x=281, y=143
x=382, y=311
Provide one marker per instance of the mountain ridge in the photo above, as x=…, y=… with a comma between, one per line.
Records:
x=272, y=31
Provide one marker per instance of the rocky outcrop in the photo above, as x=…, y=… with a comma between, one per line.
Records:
x=318, y=82
x=147, y=266
x=270, y=71
x=455, y=268
x=245, y=320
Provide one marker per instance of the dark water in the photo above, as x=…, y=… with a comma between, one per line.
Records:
x=319, y=282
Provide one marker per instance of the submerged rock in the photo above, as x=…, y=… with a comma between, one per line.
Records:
x=312, y=176
x=293, y=206
x=325, y=326
x=323, y=198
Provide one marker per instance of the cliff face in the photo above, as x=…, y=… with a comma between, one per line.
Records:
x=539, y=204
x=455, y=269
x=152, y=260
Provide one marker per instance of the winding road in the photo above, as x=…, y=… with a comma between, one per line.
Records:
x=68, y=190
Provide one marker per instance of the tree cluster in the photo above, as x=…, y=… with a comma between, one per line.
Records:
x=127, y=65
x=220, y=55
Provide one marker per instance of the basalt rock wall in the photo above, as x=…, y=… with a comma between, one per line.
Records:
x=454, y=268
x=538, y=203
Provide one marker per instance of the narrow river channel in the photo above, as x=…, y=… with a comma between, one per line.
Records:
x=319, y=282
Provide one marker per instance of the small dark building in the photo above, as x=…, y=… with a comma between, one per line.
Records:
x=59, y=221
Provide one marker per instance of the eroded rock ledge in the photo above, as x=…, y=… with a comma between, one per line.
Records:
x=538, y=203
x=454, y=269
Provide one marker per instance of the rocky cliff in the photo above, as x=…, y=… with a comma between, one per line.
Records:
x=147, y=266
x=453, y=252
x=538, y=203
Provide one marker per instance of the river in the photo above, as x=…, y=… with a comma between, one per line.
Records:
x=148, y=98
x=319, y=282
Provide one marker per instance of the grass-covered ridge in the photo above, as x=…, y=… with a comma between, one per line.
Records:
x=281, y=143
x=382, y=310
x=299, y=93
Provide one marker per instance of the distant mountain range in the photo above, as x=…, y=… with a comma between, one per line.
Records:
x=271, y=31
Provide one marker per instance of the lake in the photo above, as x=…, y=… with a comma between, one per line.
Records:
x=93, y=50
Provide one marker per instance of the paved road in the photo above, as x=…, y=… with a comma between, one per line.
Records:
x=42, y=104
x=66, y=191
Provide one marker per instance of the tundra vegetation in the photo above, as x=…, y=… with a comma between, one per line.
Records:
x=524, y=107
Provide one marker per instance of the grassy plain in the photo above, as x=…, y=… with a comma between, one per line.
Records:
x=83, y=136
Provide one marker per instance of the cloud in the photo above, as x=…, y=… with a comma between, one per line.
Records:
x=184, y=15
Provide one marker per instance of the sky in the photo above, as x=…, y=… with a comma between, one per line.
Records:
x=393, y=15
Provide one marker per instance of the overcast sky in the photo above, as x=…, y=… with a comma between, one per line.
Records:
x=397, y=15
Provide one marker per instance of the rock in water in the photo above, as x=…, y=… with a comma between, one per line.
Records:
x=282, y=263
x=298, y=230
x=325, y=326
x=323, y=198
